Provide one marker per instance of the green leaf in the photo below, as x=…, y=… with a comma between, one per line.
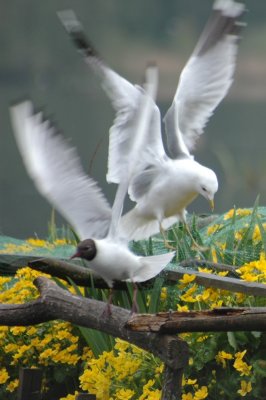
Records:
x=232, y=340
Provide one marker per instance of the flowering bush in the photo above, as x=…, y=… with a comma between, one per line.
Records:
x=221, y=365
x=54, y=345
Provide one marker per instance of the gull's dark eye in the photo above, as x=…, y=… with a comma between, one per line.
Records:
x=204, y=189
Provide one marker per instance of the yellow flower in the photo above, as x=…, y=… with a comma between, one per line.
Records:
x=214, y=255
x=202, y=393
x=240, y=297
x=31, y=331
x=182, y=308
x=60, y=242
x=229, y=214
x=12, y=385
x=222, y=356
x=223, y=273
x=202, y=338
x=210, y=295
x=191, y=381
x=187, y=279
x=163, y=295
x=124, y=394
x=64, y=334
x=239, y=235
x=4, y=280
x=241, y=212
x=242, y=367
x=38, y=242
x=187, y=396
x=10, y=347
x=256, y=237
x=159, y=370
x=70, y=396
x=3, y=375
x=17, y=330
x=245, y=388
x=255, y=270
x=188, y=295
x=87, y=354
x=240, y=355
x=47, y=354
x=213, y=229
x=205, y=270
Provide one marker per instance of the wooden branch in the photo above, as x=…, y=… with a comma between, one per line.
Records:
x=82, y=275
x=218, y=282
x=57, y=303
x=193, y=262
x=216, y=320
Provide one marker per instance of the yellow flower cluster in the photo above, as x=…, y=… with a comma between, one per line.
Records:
x=52, y=343
x=199, y=394
x=255, y=271
x=125, y=372
x=111, y=375
x=31, y=244
x=22, y=289
x=213, y=229
x=241, y=212
x=241, y=366
x=210, y=297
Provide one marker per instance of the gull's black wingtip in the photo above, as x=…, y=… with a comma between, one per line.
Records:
x=75, y=30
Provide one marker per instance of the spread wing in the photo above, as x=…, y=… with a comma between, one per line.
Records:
x=206, y=78
x=135, y=156
x=125, y=99
x=57, y=173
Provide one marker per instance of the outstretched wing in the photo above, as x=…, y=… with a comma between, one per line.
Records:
x=58, y=175
x=125, y=99
x=140, y=126
x=206, y=78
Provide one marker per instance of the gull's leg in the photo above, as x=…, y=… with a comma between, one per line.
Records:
x=135, y=307
x=166, y=243
x=195, y=245
x=107, y=310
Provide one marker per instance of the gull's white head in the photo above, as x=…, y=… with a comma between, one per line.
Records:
x=207, y=184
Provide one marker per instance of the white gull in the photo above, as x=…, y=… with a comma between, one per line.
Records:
x=167, y=181
x=57, y=173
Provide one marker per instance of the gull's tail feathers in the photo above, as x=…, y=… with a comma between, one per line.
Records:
x=134, y=226
x=152, y=266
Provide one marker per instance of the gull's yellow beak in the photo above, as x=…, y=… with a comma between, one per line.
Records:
x=212, y=204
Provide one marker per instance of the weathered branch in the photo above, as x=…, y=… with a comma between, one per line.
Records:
x=216, y=320
x=154, y=333
x=82, y=276
x=57, y=303
x=218, y=282
x=193, y=262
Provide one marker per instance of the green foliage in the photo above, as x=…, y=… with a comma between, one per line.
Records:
x=227, y=365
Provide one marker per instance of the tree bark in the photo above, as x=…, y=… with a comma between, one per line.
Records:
x=82, y=276
x=57, y=303
x=216, y=320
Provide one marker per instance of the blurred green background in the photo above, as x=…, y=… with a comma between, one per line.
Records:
x=39, y=61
